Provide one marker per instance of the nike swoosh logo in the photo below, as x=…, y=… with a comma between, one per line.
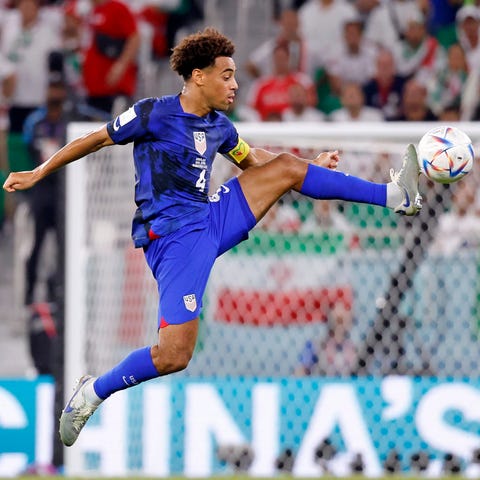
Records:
x=68, y=408
x=116, y=124
x=407, y=200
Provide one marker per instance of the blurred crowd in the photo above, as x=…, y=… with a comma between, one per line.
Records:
x=369, y=60
x=329, y=60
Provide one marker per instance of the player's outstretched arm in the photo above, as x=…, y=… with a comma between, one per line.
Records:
x=259, y=156
x=76, y=149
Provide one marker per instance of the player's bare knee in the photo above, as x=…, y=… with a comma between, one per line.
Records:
x=171, y=359
x=180, y=360
x=291, y=168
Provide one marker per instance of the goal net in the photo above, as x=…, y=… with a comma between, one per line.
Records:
x=330, y=310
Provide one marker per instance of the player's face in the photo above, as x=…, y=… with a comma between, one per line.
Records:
x=220, y=85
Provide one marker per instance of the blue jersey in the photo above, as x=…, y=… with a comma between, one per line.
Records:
x=173, y=154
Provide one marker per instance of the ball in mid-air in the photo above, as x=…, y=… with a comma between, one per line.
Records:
x=445, y=154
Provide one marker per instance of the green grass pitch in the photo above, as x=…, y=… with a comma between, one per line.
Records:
x=241, y=477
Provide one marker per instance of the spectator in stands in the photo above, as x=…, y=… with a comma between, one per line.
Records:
x=468, y=32
x=328, y=100
x=451, y=113
x=419, y=52
x=441, y=20
x=334, y=354
x=44, y=133
x=385, y=22
x=446, y=86
x=156, y=17
x=459, y=228
x=28, y=37
x=7, y=85
x=321, y=23
x=414, y=104
x=384, y=90
x=7, y=88
x=352, y=60
x=260, y=61
x=354, y=108
x=300, y=109
x=365, y=8
x=269, y=95
x=184, y=17
x=111, y=56
x=71, y=49
x=239, y=112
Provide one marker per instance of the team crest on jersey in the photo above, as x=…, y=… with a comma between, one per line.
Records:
x=190, y=302
x=200, y=142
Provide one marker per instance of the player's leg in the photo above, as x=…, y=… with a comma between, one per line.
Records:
x=171, y=354
x=175, y=347
x=181, y=267
x=264, y=185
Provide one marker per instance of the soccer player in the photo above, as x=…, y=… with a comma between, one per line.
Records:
x=180, y=228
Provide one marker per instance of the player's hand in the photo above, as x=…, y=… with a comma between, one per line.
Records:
x=327, y=159
x=20, y=181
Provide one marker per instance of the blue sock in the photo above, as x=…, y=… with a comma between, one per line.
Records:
x=324, y=184
x=134, y=369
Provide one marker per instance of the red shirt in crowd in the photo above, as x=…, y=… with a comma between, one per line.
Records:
x=111, y=22
x=270, y=95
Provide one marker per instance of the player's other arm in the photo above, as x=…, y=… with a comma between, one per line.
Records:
x=259, y=156
x=74, y=150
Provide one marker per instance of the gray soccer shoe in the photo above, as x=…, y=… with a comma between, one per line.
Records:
x=407, y=179
x=76, y=413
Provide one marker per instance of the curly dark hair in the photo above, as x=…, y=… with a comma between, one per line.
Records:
x=199, y=50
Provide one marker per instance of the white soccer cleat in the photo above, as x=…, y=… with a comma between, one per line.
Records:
x=407, y=180
x=76, y=413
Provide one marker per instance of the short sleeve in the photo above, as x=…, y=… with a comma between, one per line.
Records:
x=131, y=124
x=231, y=138
x=234, y=148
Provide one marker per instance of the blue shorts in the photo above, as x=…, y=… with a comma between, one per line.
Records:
x=181, y=261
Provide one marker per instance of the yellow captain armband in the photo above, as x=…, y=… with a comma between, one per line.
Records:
x=239, y=153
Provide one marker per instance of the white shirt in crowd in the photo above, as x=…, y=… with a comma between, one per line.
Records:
x=367, y=114
x=309, y=114
x=322, y=26
x=28, y=51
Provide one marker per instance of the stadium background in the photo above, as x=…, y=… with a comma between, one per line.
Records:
x=246, y=401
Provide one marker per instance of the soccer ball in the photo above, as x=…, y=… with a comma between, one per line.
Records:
x=445, y=154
